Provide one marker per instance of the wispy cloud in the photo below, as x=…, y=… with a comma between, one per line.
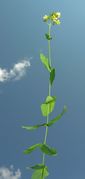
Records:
x=15, y=73
x=8, y=173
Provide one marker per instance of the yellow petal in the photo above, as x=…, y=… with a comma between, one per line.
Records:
x=45, y=18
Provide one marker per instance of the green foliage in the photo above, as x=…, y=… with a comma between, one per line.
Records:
x=31, y=149
x=45, y=61
x=52, y=76
x=43, y=147
x=48, y=37
x=33, y=127
x=48, y=106
x=38, y=166
x=48, y=150
x=40, y=174
x=50, y=123
x=58, y=117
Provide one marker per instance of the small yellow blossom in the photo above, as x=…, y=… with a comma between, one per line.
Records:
x=57, y=14
x=45, y=18
x=53, y=17
x=56, y=21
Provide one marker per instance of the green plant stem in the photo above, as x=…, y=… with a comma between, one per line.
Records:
x=49, y=45
x=49, y=92
x=49, y=54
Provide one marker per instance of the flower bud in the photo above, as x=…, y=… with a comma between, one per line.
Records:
x=45, y=18
x=58, y=14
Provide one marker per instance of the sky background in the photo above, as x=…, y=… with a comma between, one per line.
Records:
x=22, y=37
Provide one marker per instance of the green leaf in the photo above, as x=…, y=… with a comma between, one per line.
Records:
x=58, y=117
x=44, y=110
x=38, y=167
x=33, y=127
x=40, y=174
x=51, y=122
x=48, y=106
x=31, y=149
x=48, y=150
x=48, y=37
x=45, y=61
x=52, y=76
x=50, y=99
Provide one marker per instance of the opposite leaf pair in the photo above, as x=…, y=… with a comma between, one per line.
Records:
x=50, y=123
x=45, y=62
x=43, y=147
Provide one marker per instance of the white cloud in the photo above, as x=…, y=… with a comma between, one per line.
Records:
x=8, y=173
x=16, y=73
x=3, y=75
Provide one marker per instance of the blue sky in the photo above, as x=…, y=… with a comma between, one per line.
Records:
x=23, y=86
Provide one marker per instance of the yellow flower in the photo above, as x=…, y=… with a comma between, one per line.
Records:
x=56, y=21
x=45, y=18
x=53, y=17
x=57, y=14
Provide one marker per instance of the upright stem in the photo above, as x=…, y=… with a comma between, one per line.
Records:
x=49, y=53
x=49, y=46
x=49, y=89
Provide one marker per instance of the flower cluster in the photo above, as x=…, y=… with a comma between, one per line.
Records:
x=53, y=17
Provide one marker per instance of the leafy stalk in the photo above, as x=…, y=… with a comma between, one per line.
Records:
x=41, y=170
x=49, y=93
